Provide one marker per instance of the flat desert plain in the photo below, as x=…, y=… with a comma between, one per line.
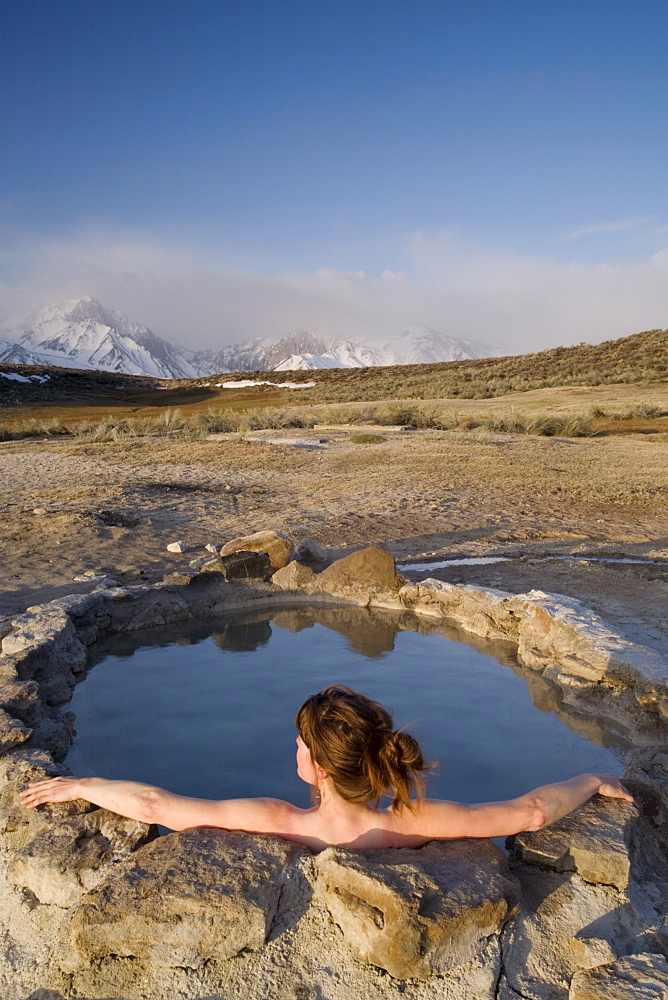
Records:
x=70, y=506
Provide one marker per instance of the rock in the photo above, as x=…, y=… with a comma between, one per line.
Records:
x=240, y=566
x=55, y=690
x=59, y=865
x=210, y=566
x=185, y=899
x=592, y=951
x=199, y=562
x=634, y=977
x=39, y=510
x=661, y=935
x=151, y=608
x=21, y=699
x=101, y=582
x=121, y=595
x=310, y=551
x=417, y=912
x=177, y=579
x=177, y=547
x=55, y=734
x=538, y=954
x=45, y=641
x=294, y=576
x=210, y=547
x=277, y=546
x=368, y=572
x=593, y=841
x=12, y=732
x=504, y=990
x=19, y=825
x=646, y=777
x=87, y=634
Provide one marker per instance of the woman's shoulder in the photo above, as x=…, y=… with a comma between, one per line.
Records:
x=427, y=819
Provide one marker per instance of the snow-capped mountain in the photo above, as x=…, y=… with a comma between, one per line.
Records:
x=83, y=334
x=416, y=345
x=342, y=354
x=261, y=354
x=421, y=345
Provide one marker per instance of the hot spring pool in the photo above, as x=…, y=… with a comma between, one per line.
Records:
x=207, y=709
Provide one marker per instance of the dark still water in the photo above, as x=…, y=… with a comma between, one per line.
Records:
x=207, y=709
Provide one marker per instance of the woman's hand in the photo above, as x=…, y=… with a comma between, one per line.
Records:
x=613, y=787
x=50, y=790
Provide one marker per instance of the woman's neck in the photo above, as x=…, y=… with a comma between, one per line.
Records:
x=332, y=805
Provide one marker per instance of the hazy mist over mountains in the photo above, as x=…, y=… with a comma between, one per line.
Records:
x=81, y=333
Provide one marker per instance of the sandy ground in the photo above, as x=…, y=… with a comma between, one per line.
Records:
x=112, y=508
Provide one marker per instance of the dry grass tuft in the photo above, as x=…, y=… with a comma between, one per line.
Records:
x=367, y=439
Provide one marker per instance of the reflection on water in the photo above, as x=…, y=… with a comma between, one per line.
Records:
x=368, y=631
x=206, y=708
x=243, y=637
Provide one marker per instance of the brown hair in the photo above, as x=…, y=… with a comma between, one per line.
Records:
x=352, y=738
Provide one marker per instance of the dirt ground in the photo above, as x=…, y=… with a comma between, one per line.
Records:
x=69, y=508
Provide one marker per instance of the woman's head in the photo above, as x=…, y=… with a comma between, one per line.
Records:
x=352, y=739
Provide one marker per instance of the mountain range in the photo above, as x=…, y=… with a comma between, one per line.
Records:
x=81, y=333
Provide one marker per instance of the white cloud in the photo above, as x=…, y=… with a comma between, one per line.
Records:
x=199, y=298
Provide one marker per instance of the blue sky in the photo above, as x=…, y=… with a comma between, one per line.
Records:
x=248, y=167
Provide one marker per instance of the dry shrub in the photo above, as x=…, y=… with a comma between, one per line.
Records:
x=268, y=418
x=483, y=435
x=420, y=415
x=225, y=421
x=546, y=425
x=365, y=415
x=34, y=429
x=409, y=414
x=637, y=411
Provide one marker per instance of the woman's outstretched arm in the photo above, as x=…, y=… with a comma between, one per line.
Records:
x=532, y=811
x=150, y=804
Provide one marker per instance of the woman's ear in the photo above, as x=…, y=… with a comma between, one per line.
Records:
x=320, y=772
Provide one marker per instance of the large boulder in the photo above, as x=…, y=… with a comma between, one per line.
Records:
x=241, y=565
x=294, y=576
x=592, y=841
x=417, y=912
x=370, y=572
x=18, y=825
x=543, y=946
x=184, y=899
x=309, y=550
x=61, y=863
x=635, y=977
x=278, y=547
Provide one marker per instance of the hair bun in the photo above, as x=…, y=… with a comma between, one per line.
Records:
x=402, y=749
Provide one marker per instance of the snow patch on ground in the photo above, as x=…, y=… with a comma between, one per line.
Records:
x=15, y=377
x=279, y=385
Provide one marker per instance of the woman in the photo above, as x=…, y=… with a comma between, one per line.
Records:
x=348, y=751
